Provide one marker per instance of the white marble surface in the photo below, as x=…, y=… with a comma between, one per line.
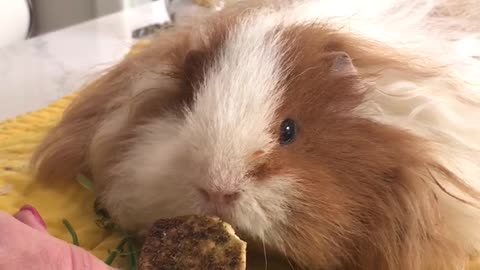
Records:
x=37, y=72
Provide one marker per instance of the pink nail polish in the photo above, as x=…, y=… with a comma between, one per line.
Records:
x=35, y=213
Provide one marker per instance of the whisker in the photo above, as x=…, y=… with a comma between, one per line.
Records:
x=284, y=253
x=265, y=253
x=290, y=263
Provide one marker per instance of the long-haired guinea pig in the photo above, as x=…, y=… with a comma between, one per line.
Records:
x=342, y=134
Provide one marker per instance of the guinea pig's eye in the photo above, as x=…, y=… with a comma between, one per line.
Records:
x=287, y=131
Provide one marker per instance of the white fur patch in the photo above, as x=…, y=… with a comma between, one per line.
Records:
x=234, y=108
x=230, y=120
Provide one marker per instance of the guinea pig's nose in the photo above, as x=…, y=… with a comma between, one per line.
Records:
x=218, y=196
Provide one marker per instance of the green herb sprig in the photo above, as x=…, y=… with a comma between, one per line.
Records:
x=72, y=232
x=104, y=221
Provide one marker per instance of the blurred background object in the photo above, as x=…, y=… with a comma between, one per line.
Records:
x=65, y=50
x=51, y=15
x=180, y=9
x=15, y=21
x=22, y=19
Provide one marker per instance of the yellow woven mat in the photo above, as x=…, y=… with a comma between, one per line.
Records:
x=18, y=138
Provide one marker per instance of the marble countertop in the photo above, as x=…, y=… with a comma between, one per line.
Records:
x=39, y=71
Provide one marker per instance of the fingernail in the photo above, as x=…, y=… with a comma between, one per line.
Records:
x=35, y=213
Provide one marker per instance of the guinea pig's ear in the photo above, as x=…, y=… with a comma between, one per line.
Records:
x=340, y=64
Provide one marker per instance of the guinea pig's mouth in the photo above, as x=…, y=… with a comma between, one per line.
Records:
x=224, y=212
x=221, y=205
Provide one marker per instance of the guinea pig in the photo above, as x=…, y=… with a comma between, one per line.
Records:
x=341, y=134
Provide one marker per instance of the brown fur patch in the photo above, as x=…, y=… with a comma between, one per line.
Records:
x=364, y=200
x=173, y=65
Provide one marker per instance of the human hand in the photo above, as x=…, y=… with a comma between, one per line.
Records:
x=26, y=244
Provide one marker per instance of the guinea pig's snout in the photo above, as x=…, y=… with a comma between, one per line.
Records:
x=219, y=197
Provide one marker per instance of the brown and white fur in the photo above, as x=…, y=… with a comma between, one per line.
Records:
x=384, y=170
